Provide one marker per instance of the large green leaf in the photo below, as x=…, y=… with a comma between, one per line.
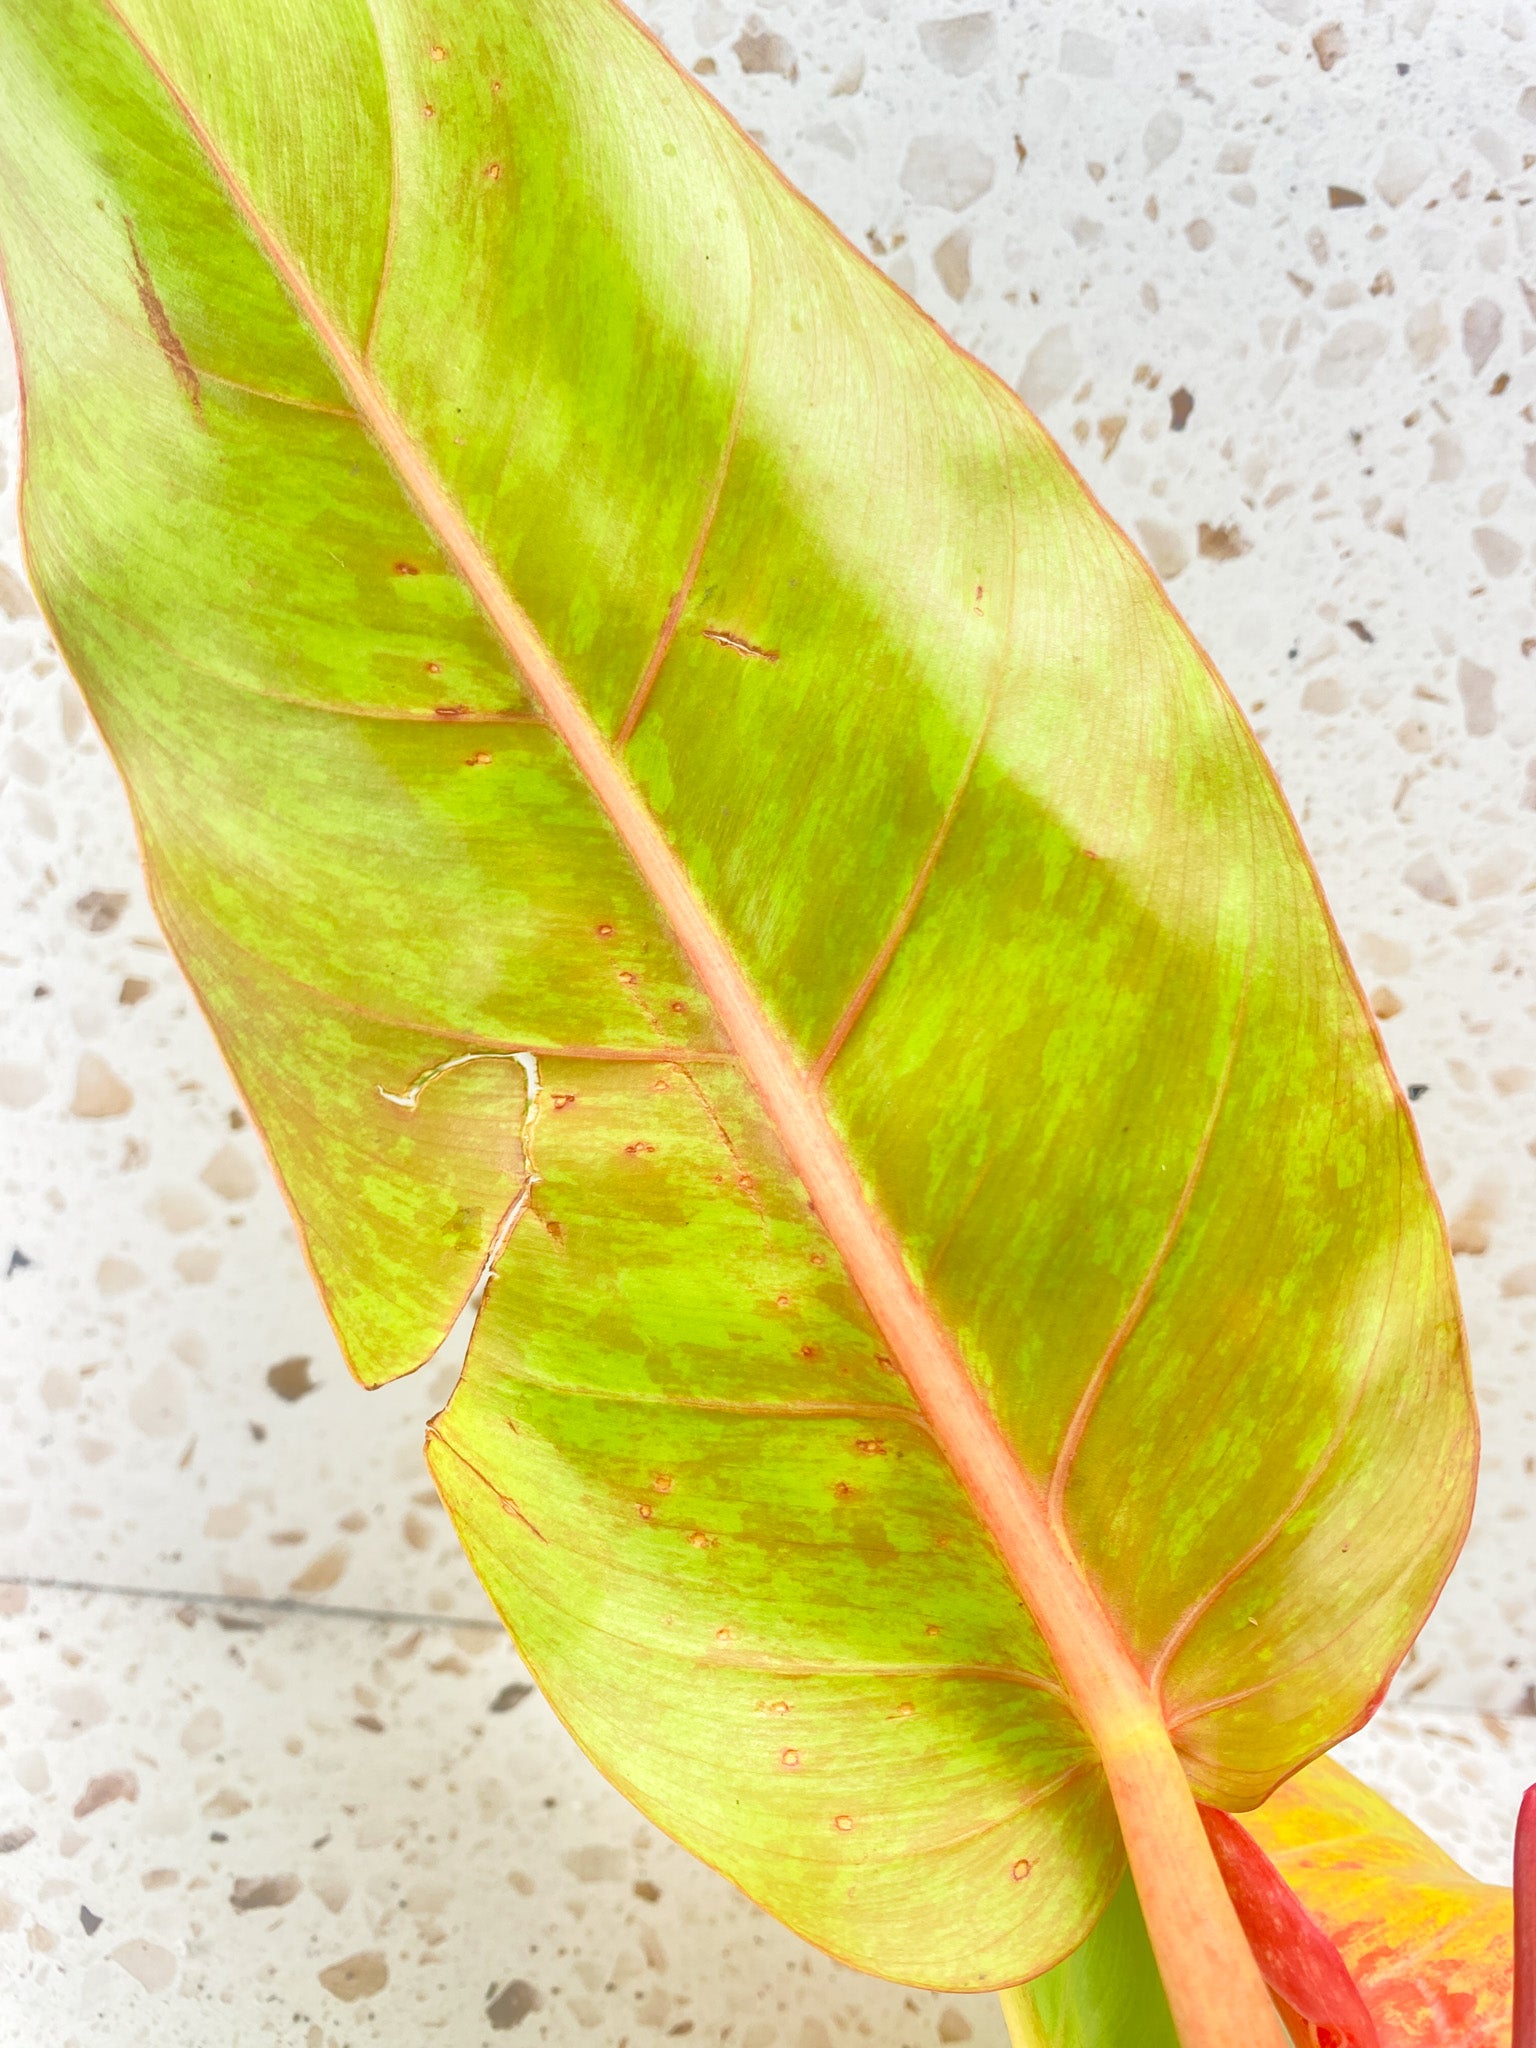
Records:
x=658, y=770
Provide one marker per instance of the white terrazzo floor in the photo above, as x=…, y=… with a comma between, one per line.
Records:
x=1269, y=273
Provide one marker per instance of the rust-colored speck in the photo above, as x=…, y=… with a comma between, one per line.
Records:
x=428, y=112
x=745, y=1182
x=605, y=931
x=480, y=760
x=702, y=1540
x=662, y=1482
x=933, y=1629
x=739, y=646
x=562, y=1101
x=639, y=1146
x=166, y=338
x=438, y=53
x=818, y=1258
x=776, y=1706
x=905, y=1710
x=790, y=1759
x=844, y=1823
x=434, y=668
x=810, y=1351
x=722, y=1635
x=627, y=978
x=781, y=1301
x=450, y=710
x=842, y=1490
x=644, y=1510
x=679, y=1009
x=1021, y=1869
x=495, y=85
x=406, y=569
x=493, y=172
x=870, y=1446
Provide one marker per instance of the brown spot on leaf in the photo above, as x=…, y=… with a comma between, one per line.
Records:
x=479, y=760
x=406, y=569
x=167, y=339
x=562, y=1101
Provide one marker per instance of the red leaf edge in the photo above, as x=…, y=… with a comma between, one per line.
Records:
x=1523, y=2031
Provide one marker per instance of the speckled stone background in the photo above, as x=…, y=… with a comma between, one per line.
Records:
x=266, y=1770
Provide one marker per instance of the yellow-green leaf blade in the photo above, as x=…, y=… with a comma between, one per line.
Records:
x=947, y=777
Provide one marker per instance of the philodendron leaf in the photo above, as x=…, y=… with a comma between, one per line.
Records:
x=1430, y=1948
x=662, y=777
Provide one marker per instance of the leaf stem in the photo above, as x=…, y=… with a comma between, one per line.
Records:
x=1026, y=2029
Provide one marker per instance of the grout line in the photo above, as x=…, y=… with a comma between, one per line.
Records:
x=283, y=1608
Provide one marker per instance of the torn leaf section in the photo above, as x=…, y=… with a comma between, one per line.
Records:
x=435, y=1172
x=685, y=1471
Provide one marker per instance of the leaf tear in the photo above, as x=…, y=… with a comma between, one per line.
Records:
x=737, y=645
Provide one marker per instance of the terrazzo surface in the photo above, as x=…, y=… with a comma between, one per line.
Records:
x=1269, y=275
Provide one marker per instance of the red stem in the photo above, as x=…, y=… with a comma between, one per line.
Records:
x=1523, y=2030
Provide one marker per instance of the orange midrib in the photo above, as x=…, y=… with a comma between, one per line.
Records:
x=1226, y=2009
